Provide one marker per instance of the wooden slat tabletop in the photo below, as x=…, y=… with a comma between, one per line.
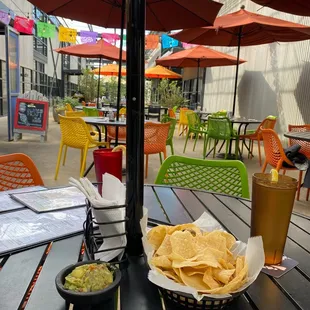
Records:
x=165, y=205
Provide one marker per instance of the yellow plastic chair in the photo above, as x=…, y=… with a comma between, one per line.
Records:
x=122, y=111
x=75, y=134
x=183, y=123
x=68, y=107
x=75, y=113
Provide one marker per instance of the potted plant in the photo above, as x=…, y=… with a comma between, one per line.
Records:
x=170, y=94
x=58, y=108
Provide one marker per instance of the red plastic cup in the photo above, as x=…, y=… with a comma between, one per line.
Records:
x=107, y=161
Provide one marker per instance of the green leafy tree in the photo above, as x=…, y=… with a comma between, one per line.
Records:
x=89, y=85
x=111, y=88
x=170, y=94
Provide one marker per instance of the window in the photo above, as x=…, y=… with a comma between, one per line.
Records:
x=40, y=78
x=39, y=44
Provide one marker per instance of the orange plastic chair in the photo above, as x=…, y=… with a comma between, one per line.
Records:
x=305, y=146
x=92, y=104
x=17, y=171
x=75, y=133
x=155, y=136
x=257, y=136
x=275, y=155
x=171, y=113
x=183, y=123
x=111, y=133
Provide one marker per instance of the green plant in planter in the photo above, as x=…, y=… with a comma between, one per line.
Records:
x=72, y=101
x=170, y=94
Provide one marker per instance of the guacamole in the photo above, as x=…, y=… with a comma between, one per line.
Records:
x=89, y=278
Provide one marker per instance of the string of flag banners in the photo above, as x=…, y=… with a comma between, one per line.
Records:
x=65, y=34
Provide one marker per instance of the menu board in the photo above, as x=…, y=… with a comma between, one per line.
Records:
x=8, y=204
x=24, y=228
x=51, y=199
x=31, y=114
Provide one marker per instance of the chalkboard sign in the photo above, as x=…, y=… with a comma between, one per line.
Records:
x=31, y=114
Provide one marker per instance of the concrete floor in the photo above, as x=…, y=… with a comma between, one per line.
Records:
x=45, y=155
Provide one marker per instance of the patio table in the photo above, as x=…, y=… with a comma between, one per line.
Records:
x=104, y=109
x=303, y=136
x=165, y=205
x=243, y=123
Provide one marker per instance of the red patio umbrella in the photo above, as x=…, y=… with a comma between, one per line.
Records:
x=163, y=15
x=298, y=7
x=244, y=28
x=101, y=49
x=200, y=57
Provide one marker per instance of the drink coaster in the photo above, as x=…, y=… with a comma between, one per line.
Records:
x=281, y=269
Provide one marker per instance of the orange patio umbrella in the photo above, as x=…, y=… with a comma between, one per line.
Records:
x=244, y=28
x=298, y=7
x=199, y=57
x=109, y=70
x=159, y=72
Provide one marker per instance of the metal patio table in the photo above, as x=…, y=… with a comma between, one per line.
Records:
x=165, y=205
x=303, y=136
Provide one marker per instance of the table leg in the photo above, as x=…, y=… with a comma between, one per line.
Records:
x=99, y=139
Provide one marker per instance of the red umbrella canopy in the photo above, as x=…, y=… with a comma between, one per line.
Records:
x=298, y=7
x=163, y=15
x=207, y=58
x=254, y=29
x=101, y=49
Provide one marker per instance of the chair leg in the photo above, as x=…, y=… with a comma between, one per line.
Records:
x=196, y=138
x=237, y=148
x=58, y=159
x=308, y=192
x=284, y=172
x=187, y=136
x=81, y=159
x=172, y=149
x=227, y=148
x=65, y=155
x=251, y=153
x=215, y=144
x=160, y=158
x=204, y=146
x=165, y=153
x=259, y=153
x=299, y=185
x=85, y=150
x=146, y=165
x=264, y=166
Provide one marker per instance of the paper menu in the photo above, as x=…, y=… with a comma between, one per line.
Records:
x=52, y=199
x=8, y=204
x=24, y=228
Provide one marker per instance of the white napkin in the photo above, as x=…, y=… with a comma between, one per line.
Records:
x=113, y=194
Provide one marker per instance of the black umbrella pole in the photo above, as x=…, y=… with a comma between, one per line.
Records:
x=98, y=92
x=119, y=82
x=135, y=11
x=197, y=86
x=237, y=70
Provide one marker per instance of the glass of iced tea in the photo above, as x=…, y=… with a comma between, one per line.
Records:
x=272, y=205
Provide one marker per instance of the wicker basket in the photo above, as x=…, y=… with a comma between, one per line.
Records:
x=180, y=301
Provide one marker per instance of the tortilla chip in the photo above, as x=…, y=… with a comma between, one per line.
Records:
x=165, y=248
x=230, y=239
x=156, y=236
x=190, y=227
x=182, y=243
x=239, y=264
x=172, y=275
x=161, y=261
x=209, y=280
x=223, y=275
x=194, y=281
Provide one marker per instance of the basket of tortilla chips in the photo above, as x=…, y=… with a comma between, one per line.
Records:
x=197, y=269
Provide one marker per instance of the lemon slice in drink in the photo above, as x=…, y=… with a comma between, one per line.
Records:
x=274, y=175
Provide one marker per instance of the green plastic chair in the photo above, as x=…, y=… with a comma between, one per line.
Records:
x=196, y=127
x=220, y=128
x=173, y=122
x=90, y=111
x=222, y=176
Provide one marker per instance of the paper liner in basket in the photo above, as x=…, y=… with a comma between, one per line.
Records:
x=253, y=251
x=113, y=194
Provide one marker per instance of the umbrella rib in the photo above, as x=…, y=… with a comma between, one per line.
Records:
x=155, y=14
